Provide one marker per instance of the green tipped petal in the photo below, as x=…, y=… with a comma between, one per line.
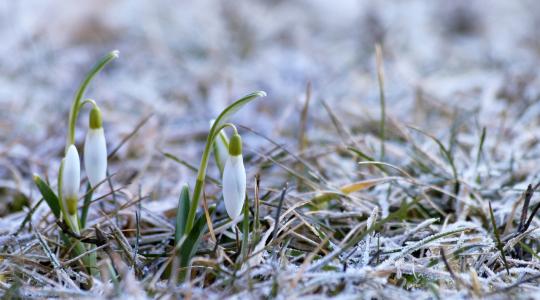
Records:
x=95, y=118
x=72, y=205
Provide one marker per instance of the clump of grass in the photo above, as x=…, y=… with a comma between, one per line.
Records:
x=413, y=222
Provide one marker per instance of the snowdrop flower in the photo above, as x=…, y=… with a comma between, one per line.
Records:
x=234, y=178
x=71, y=178
x=95, y=150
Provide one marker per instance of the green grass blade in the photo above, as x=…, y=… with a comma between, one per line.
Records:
x=447, y=154
x=245, y=231
x=498, y=239
x=367, y=158
x=481, y=146
x=529, y=249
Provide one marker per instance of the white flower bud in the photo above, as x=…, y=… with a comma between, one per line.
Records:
x=95, y=156
x=95, y=150
x=234, y=179
x=71, y=178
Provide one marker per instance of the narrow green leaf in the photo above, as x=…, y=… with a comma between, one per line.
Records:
x=49, y=196
x=447, y=154
x=245, y=231
x=529, y=249
x=181, y=213
x=481, y=146
x=91, y=261
x=191, y=243
x=256, y=217
x=86, y=205
x=366, y=157
x=498, y=239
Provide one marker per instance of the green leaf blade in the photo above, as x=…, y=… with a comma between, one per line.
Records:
x=49, y=196
x=86, y=205
x=233, y=108
x=182, y=213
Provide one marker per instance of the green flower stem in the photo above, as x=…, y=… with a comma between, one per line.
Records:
x=224, y=138
x=199, y=183
x=218, y=124
x=76, y=105
x=73, y=224
x=218, y=132
x=91, y=101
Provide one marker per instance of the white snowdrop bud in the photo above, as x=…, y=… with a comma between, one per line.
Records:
x=95, y=150
x=71, y=178
x=234, y=178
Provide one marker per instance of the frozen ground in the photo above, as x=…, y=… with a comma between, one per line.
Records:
x=451, y=69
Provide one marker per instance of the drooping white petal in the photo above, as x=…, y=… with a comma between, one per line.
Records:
x=71, y=174
x=95, y=156
x=234, y=185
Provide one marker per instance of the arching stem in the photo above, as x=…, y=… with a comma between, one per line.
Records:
x=199, y=183
x=76, y=105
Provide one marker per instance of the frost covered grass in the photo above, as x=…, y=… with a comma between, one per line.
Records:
x=395, y=156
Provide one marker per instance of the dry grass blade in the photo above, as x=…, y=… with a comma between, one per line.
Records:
x=55, y=262
x=393, y=124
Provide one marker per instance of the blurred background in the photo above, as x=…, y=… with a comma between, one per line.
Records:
x=183, y=61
